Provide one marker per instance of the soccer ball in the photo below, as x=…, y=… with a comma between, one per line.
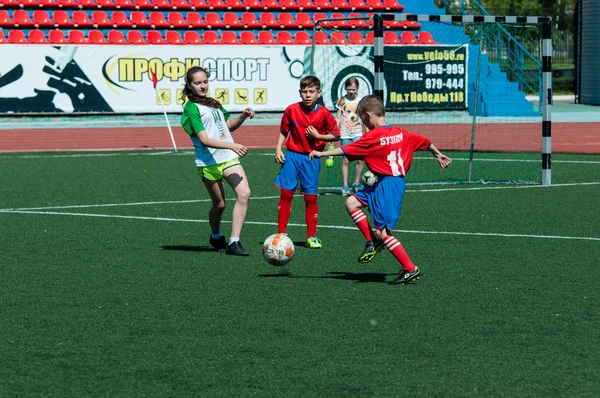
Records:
x=278, y=249
x=368, y=179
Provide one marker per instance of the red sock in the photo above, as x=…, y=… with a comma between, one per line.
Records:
x=362, y=222
x=284, y=210
x=395, y=247
x=312, y=214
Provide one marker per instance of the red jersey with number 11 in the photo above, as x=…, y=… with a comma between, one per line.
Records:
x=386, y=150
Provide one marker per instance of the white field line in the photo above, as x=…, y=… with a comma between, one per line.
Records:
x=484, y=188
x=187, y=152
x=584, y=238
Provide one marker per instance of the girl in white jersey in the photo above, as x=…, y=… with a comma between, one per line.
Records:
x=351, y=129
x=209, y=126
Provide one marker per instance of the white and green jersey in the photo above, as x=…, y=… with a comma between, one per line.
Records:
x=213, y=121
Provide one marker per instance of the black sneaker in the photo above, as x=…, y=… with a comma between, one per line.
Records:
x=220, y=244
x=405, y=277
x=236, y=249
x=371, y=250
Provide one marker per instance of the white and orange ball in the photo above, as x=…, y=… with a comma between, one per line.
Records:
x=278, y=249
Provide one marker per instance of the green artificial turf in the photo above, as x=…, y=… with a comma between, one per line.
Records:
x=108, y=287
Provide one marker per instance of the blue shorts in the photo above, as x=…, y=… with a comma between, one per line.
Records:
x=299, y=167
x=384, y=200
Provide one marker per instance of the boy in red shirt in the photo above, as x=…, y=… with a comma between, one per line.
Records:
x=297, y=123
x=388, y=153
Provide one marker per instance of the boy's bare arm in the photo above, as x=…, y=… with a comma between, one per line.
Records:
x=333, y=152
x=442, y=159
x=279, y=156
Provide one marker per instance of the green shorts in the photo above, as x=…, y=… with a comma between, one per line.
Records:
x=215, y=172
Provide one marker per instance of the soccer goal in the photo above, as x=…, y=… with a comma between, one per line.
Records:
x=466, y=82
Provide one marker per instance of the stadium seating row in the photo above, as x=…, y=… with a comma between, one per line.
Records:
x=177, y=20
x=294, y=5
x=37, y=36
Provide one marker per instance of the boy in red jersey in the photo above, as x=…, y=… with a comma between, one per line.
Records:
x=388, y=152
x=305, y=126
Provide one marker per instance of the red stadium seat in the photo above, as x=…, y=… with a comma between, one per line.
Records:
x=61, y=19
x=216, y=4
x=124, y=4
x=5, y=20
x=161, y=4
x=119, y=20
x=303, y=20
x=229, y=37
x=355, y=37
x=253, y=4
x=234, y=5
x=231, y=21
x=194, y=20
x=370, y=39
x=41, y=19
x=390, y=38
x=198, y=4
x=154, y=37
x=376, y=5
x=135, y=37
x=406, y=37
x=81, y=20
x=157, y=20
x=306, y=5
x=286, y=21
x=320, y=15
x=284, y=37
x=139, y=20
x=191, y=37
x=143, y=4
x=249, y=21
x=16, y=36
x=342, y=24
x=176, y=20
x=173, y=37
x=210, y=37
x=393, y=5
x=248, y=38
x=83, y=4
x=96, y=37
x=181, y=5
x=36, y=36
x=358, y=5
x=100, y=20
x=321, y=38
x=271, y=5
x=213, y=21
x=21, y=19
x=426, y=38
x=56, y=36
x=116, y=37
x=77, y=37
x=2, y=37
x=67, y=4
x=104, y=3
x=338, y=38
x=323, y=5
x=302, y=37
x=9, y=4
x=46, y=3
x=289, y=5
x=266, y=37
x=268, y=20
x=340, y=5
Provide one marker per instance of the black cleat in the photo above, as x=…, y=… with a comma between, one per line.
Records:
x=220, y=244
x=405, y=277
x=236, y=249
x=371, y=250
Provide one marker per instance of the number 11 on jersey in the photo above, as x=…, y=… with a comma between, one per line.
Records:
x=396, y=163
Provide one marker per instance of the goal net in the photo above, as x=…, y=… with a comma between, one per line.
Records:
x=474, y=89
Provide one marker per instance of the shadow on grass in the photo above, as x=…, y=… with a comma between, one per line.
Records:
x=186, y=248
x=361, y=277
